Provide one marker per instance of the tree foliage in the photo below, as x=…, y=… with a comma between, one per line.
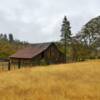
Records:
x=65, y=30
x=89, y=37
x=8, y=47
x=11, y=39
x=85, y=44
x=65, y=33
x=90, y=33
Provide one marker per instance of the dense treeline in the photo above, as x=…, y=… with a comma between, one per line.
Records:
x=8, y=45
x=85, y=44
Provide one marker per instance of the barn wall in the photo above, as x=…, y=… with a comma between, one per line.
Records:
x=53, y=55
x=50, y=56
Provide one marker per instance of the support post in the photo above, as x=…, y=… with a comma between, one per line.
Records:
x=19, y=63
x=9, y=65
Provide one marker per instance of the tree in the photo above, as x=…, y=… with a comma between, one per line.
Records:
x=5, y=37
x=1, y=36
x=65, y=33
x=91, y=31
x=11, y=39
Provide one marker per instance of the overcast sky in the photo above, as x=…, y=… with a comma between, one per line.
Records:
x=40, y=20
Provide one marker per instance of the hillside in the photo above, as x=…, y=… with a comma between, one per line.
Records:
x=9, y=46
x=76, y=81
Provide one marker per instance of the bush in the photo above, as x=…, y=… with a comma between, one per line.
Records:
x=43, y=62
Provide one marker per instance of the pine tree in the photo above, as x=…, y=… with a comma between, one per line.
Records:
x=65, y=33
x=11, y=39
x=5, y=37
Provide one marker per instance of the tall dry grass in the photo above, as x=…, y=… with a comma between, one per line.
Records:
x=77, y=81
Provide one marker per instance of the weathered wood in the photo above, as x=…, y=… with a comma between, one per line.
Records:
x=51, y=55
x=19, y=64
x=9, y=65
x=4, y=60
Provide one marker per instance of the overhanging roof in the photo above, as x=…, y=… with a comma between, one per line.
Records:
x=32, y=51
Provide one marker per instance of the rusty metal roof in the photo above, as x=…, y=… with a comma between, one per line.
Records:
x=32, y=51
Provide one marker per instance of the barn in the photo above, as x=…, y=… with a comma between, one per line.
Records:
x=40, y=53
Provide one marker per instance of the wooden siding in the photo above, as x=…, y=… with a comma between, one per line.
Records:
x=51, y=55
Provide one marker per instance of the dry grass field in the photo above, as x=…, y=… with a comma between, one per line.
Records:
x=76, y=81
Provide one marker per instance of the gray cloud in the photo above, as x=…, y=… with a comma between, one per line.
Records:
x=40, y=20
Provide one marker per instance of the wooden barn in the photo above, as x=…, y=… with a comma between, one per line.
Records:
x=36, y=54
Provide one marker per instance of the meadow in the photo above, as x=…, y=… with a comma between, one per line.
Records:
x=76, y=81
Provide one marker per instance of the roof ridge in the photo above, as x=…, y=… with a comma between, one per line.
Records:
x=31, y=51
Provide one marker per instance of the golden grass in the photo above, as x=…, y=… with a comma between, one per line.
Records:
x=77, y=81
